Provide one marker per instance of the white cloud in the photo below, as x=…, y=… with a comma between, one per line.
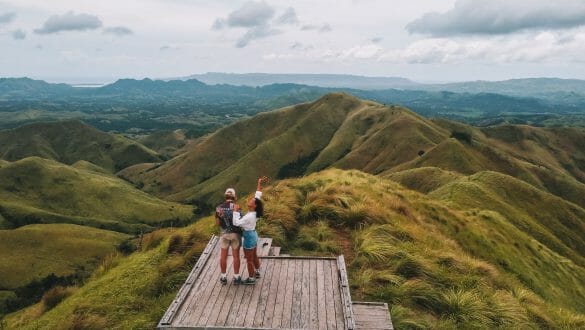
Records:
x=288, y=17
x=257, y=32
x=69, y=22
x=536, y=48
x=251, y=14
x=18, y=34
x=501, y=17
x=7, y=18
x=119, y=31
x=319, y=28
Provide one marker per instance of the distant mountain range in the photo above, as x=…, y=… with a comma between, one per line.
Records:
x=132, y=106
x=321, y=80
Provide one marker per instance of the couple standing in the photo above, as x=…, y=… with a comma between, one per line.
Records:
x=235, y=226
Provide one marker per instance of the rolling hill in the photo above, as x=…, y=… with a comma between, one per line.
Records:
x=70, y=141
x=341, y=131
x=35, y=190
x=45, y=249
x=438, y=264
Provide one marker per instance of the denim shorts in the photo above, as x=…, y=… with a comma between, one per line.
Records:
x=250, y=239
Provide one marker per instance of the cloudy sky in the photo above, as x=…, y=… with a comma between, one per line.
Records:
x=424, y=40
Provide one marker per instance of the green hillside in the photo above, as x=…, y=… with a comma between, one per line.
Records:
x=36, y=190
x=437, y=264
x=167, y=143
x=336, y=130
x=44, y=249
x=341, y=131
x=70, y=141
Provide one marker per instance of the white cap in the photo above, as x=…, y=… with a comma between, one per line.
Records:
x=230, y=191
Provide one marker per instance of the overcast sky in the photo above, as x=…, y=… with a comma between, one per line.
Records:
x=424, y=40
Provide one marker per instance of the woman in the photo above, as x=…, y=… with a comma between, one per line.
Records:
x=249, y=234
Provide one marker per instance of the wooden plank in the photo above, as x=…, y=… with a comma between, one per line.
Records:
x=224, y=300
x=233, y=313
x=329, y=298
x=245, y=305
x=314, y=302
x=297, y=297
x=305, y=314
x=339, y=314
x=200, y=295
x=218, y=305
x=208, y=297
x=346, y=297
x=274, y=251
x=272, y=288
x=256, y=314
x=286, y=256
x=264, y=245
x=199, y=284
x=280, y=295
x=186, y=288
x=285, y=322
x=227, y=304
x=322, y=300
x=372, y=316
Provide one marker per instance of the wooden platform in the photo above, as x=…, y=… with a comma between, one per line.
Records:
x=293, y=292
x=372, y=316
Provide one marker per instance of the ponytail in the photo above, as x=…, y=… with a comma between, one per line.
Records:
x=259, y=208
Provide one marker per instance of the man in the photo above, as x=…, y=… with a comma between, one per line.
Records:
x=231, y=236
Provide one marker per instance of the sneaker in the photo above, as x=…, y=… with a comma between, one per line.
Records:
x=237, y=280
x=249, y=281
x=223, y=280
x=257, y=274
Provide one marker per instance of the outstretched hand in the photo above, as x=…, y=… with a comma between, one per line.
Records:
x=263, y=179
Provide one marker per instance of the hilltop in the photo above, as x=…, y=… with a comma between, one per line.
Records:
x=339, y=130
x=70, y=141
x=438, y=265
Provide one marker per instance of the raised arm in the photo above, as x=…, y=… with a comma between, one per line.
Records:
x=260, y=180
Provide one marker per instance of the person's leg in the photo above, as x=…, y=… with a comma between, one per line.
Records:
x=223, y=260
x=235, y=243
x=223, y=244
x=256, y=259
x=249, y=253
x=236, y=257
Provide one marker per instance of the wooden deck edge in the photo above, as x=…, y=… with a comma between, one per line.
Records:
x=167, y=318
x=286, y=256
x=215, y=328
x=374, y=304
x=371, y=303
x=345, y=295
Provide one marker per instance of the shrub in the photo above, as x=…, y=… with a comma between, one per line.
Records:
x=55, y=295
x=108, y=262
x=463, y=136
x=176, y=244
x=463, y=307
x=374, y=244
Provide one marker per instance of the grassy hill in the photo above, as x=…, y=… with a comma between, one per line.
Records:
x=438, y=265
x=36, y=190
x=341, y=131
x=336, y=130
x=44, y=249
x=71, y=141
x=167, y=143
